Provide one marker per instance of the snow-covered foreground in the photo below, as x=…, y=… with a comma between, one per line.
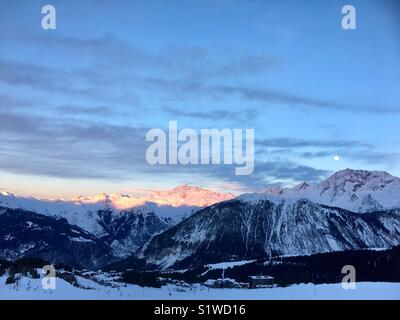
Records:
x=30, y=289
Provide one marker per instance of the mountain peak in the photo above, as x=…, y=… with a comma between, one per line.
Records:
x=189, y=196
x=359, y=174
x=301, y=186
x=356, y=179
x=186, y=187
x=101, y=197
x=355, y=190
x=257, y=197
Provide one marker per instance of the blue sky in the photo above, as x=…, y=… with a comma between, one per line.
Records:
x=76, y=102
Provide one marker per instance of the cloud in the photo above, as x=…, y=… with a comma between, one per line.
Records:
x=287, y=142
x=292, y=171
x=373, y=157
x=50, y=146
x=60, y=147
x=319, y=154
x=252, y=64
x=244, y=115
x=85, y=110
x=46, y=146
x=14, y=103
x=54, y=147
x=295, y=101
x=106, y=50
x=111, y=72
x=15, y=73
x=265, y=173
x=323, y=148
x=107, y=63
x=269, y=172
x=181, y=61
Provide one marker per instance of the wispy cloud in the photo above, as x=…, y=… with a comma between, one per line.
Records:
x=296, y=101
x=267, y=173
x=86, y=110
x=323, y=148
x=58, y=148
x=286, y=142
x=243, y=115
x=180, y=71
x=52, y=147
x=113, y=72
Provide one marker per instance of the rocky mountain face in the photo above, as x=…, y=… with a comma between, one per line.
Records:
x=128, y=230
x=28, y=234
x=259, y=226
x=355, y=190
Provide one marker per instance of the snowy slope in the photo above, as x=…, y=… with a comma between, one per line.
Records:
x=31, y=289
x=354, y=190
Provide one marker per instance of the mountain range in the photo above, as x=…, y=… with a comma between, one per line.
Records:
x=189, y=226
x=123, y=222
x=355, y=190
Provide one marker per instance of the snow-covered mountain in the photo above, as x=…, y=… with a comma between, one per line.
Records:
x=354, y=190
x=189, y=196
x=185, y=195
x=125, y=222
x=171, y=205
x=256, y=226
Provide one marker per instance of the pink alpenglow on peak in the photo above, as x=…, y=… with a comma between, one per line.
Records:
x=184, y=195
x=170, y=205
x=189, y=196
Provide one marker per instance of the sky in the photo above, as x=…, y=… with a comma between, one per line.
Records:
x=76, y=102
